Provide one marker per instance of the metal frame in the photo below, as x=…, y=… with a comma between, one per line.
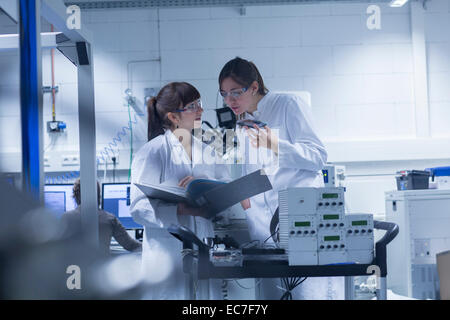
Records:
x=85, y=4
x=30, y=12
x=31, y=98
x=12, y=41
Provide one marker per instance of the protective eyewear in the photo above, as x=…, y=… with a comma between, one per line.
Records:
x=233, y=93
x=192, y=107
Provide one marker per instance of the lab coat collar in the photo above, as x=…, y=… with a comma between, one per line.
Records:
x=260, y=109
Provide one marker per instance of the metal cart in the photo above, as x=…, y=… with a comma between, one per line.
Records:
x=204, y=269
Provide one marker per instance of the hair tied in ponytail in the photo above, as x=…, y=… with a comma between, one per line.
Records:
x=154, y=107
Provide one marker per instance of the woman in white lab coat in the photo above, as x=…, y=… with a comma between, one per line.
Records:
x=167, y=157
x=287, y=148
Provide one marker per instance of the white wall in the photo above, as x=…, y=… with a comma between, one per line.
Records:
x=361, y=81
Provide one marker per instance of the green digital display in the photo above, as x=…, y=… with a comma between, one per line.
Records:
x=330, y=216
x=359, y=223
x=332, y=238
x=302, y=224
x=330, y=195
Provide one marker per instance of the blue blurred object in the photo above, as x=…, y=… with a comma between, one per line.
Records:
x=438, y=172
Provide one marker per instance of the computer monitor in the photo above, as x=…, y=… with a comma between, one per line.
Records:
x=55, y=201
x=59, y=197
x=116, y=200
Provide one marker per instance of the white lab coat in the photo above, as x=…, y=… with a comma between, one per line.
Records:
x=301, y=156
x=160, y=160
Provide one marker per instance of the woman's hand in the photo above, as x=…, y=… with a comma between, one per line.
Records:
x=263, y=138
x=185, y=181
x=246, y=204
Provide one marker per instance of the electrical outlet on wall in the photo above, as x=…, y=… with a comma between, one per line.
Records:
x=46, y=162
x=109, y=160
x=70, y=160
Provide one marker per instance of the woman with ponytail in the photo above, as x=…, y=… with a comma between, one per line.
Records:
x=168, y=158
x=287, y=148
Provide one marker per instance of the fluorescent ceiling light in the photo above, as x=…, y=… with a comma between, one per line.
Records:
x=397, y=3
x=10, y=35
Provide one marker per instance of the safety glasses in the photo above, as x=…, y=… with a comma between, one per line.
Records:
x=233, y=93
x=192, y=107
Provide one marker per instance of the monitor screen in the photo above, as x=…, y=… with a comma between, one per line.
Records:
x=116, y=200
x=55, y=201
x=53, y=193
x=225, y=117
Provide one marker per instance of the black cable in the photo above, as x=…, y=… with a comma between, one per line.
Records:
x=208, y=124
x=271, y=235
x=114, y=168
x=290, y=284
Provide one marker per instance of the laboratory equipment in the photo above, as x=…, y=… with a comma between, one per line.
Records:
x=359, y=237
x=301, y=240
x=423, y=217
x=226, y=118
x=226, y=257
x=315, y=230
x=59, y=197
x=116, y=200
x=333, y=175
x=332, y=246
x=412, y=179
x=205, y=269
x=224, y=251
x=306, y=218
x=440, y=175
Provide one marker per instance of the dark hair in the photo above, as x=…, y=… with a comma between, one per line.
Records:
x=169, y=99
x=77, y=192
x=243, y=72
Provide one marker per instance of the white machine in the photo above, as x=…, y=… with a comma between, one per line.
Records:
x=423, y=217
x=359, y=238
x=314, y=229
x=303, y=212
x=332, y=246
x=333, y=175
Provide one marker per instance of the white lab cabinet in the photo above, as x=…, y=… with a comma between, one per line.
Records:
x=423, y=217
